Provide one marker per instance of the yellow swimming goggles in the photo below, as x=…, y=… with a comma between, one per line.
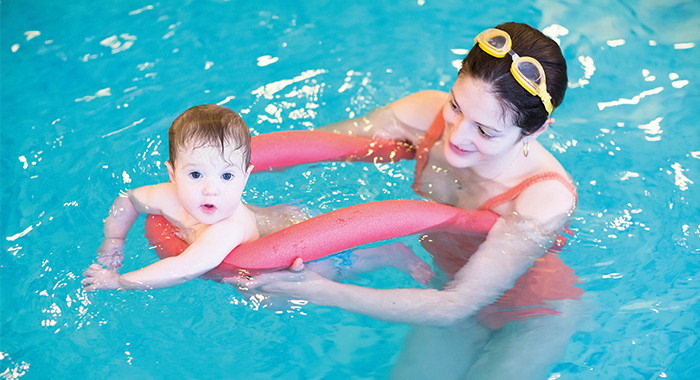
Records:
x=526, y=70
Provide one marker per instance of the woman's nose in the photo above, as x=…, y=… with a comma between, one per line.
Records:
x=463, y=130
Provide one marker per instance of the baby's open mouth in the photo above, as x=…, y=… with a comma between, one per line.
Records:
x=208, y=208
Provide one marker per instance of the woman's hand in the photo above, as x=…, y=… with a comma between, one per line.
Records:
x=98, y=277
x=294, y=282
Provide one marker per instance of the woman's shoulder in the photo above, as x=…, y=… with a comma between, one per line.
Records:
x=550, y=196
x=419, y=109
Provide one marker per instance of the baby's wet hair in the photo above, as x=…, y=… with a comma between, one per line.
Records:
x=209, y=124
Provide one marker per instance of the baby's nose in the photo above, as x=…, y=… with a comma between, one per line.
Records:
x=210, y=189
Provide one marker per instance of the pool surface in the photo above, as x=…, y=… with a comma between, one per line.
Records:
x=89, y=90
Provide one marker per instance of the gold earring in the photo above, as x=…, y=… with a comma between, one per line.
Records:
x=526, y=148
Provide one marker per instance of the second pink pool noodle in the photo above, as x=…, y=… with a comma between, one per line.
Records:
x=289, y=148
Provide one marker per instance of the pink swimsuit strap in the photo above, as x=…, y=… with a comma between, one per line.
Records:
x=433, y=135
x=513, y=192
x=423, y=151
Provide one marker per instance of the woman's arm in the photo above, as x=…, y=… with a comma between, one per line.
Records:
x=510, y=248
x=406, y=119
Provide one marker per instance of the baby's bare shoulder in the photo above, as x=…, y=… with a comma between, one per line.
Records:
x=155, y=199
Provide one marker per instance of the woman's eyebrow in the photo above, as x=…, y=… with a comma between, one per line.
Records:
x=482, y=125
x=494, y=130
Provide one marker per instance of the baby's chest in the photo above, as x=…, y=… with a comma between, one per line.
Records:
x=188, y=228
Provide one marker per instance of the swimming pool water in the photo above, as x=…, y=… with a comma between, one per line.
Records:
x=90, y=88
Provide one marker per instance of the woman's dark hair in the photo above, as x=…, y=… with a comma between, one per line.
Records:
x=527, y=41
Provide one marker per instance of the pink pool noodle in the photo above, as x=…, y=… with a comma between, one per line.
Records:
x=282, y=149
x=337, y=230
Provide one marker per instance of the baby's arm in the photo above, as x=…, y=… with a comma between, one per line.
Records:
x=206, y=252
x=122, y=215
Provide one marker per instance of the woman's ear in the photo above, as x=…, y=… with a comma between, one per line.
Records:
x=171, y=171
x=541, y=130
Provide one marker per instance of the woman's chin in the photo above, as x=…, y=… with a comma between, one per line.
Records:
x=461, y=159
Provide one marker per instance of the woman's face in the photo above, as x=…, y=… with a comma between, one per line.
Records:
x=477, y=132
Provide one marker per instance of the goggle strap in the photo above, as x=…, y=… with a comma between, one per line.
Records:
x=534, y=91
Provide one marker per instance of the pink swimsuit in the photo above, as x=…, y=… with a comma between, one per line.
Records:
x=547, y=279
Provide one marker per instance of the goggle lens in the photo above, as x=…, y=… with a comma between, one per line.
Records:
x=530, y=71
x=497, y=42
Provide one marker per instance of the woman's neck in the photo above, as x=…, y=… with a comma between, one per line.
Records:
x=501, y=168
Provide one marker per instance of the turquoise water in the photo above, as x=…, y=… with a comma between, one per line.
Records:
x=89, y=90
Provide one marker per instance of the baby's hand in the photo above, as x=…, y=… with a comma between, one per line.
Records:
x=97, y=277
x=110, y=253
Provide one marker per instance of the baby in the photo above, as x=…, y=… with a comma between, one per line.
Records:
x=208, y=168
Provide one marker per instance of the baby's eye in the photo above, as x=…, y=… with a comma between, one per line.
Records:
x=227, y=176
x=195, y=175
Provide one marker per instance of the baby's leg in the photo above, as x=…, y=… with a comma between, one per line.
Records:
x=365, y=260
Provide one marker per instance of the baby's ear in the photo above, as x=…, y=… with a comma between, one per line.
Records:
x=171, y=171
x=250, y=169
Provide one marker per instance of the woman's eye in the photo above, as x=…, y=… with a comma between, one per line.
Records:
x=227, y=176
x=483, y=133
x=196, y=175
x=454, y=105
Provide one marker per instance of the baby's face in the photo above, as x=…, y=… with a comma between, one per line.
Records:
x=208, y=186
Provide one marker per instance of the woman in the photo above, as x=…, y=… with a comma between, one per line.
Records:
x=477, y=148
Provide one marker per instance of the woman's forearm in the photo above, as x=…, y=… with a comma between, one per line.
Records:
x=361, y=126
x=491, y=271
x=414, y=306
x=381, y=123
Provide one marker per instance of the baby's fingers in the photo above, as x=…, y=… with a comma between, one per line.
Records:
x=88, y=283
x=111, y=262
x=92, y=270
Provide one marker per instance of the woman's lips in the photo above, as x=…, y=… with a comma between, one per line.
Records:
x=460, y=151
